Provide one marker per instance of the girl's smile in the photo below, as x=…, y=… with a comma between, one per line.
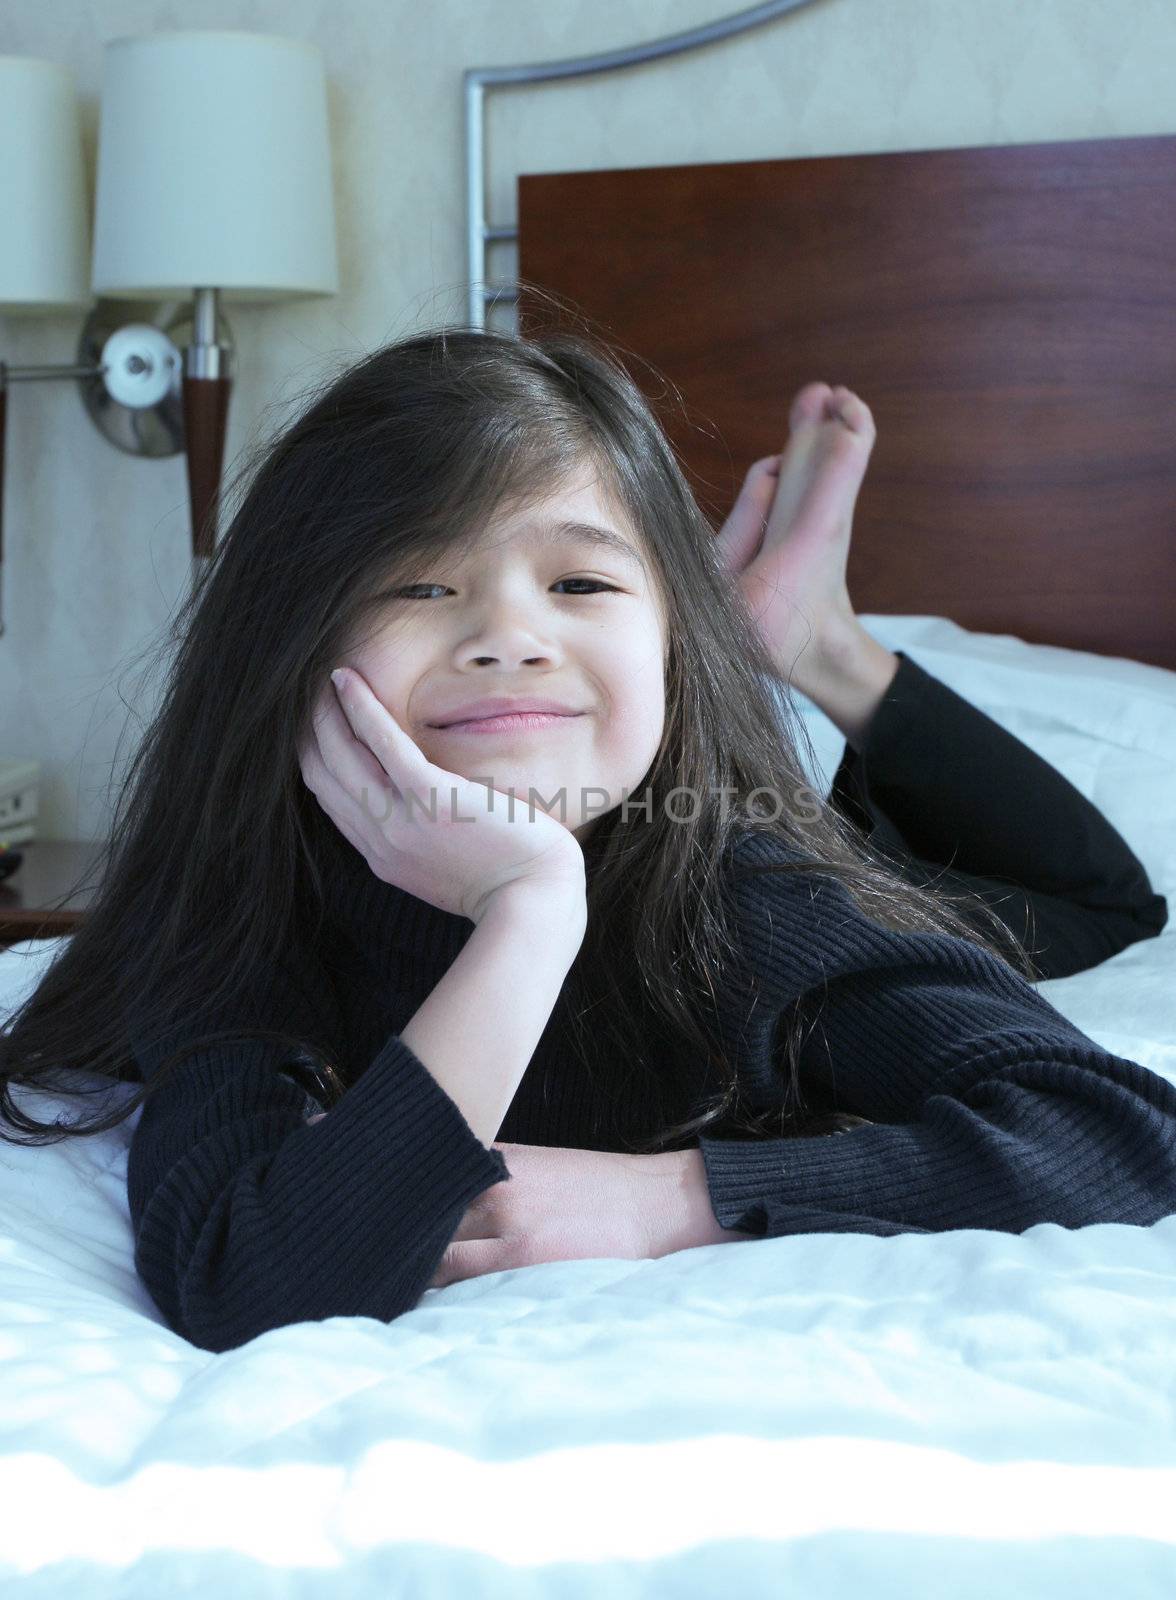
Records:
x=512, y=722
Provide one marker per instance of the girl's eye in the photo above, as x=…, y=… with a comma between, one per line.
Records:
x=405, y=592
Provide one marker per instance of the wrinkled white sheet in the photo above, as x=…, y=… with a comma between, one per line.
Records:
x=969, y=1413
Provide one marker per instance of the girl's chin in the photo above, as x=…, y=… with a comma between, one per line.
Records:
x=546, y=798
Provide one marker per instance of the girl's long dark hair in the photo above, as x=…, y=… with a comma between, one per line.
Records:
x=217, y=851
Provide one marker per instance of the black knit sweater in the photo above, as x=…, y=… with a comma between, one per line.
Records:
x=987, y=1109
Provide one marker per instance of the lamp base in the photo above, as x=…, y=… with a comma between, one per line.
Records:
x=157, y=429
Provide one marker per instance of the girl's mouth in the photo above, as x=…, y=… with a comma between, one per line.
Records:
x=513, y=722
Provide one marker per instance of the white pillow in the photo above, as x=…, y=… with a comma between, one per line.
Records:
x=1106, y=723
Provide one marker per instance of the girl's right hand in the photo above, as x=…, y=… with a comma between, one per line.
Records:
x=459, y=843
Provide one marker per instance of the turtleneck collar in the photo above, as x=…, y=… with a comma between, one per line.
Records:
x=380, y=915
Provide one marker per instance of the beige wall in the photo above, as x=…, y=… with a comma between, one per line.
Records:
x=97, y=542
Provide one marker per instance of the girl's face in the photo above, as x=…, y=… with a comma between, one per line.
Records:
x=536, y=608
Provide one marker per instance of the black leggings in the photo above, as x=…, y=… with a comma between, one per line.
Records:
x=953, y=800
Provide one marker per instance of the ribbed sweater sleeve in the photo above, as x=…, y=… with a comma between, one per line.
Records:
x=988, y=1108
x=246, y=1217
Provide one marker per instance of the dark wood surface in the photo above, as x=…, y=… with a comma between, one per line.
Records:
x=1008, y=313
x=54, y=873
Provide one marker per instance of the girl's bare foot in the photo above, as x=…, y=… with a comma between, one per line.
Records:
x=821, y=471
x=787, y=543
x=787, y=538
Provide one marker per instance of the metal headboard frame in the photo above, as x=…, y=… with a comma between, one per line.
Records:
x=480, y=234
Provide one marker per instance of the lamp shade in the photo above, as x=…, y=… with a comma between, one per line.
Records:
x=214, y=169
x=44, y=221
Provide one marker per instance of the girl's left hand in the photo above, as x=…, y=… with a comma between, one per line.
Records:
x=564, y=1205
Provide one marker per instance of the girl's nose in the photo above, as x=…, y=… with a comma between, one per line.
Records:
x=508, y=641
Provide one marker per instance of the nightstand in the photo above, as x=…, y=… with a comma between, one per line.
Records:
x=50, y=870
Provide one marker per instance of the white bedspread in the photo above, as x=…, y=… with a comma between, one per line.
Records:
x=968, y=1414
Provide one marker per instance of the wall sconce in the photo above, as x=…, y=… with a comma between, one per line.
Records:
x=214, y=178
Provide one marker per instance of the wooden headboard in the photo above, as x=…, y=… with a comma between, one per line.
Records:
x=1008, y=313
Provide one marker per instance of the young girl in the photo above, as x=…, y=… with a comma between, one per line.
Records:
x=617, y=928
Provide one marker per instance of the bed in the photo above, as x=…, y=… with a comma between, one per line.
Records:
x=970, y=1412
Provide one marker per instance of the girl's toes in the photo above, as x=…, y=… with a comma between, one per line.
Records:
x=855, y=413
x=809, y=404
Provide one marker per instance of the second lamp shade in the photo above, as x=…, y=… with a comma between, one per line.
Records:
x=44, y=237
